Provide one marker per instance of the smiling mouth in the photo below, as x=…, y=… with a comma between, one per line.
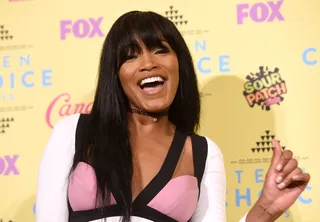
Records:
x=152, y=85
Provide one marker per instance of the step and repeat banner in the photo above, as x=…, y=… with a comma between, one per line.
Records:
x=258, y=65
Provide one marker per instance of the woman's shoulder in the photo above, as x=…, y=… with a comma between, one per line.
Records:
x=65, y=128
x=208, y=152
x=60, y=146
x=212, y=148
x=67, y=122
x=215, y=159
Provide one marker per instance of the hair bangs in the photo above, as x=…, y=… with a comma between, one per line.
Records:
x=140, y=29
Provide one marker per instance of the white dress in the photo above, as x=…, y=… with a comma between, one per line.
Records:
x=51, y=197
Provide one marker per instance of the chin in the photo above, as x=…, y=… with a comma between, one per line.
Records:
x=155, y=107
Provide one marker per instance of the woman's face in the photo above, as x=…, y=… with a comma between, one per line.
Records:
x=150, y=78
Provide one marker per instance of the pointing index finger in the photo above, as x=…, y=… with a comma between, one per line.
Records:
x=277, y=152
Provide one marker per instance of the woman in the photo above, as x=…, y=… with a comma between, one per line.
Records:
x=137, y=156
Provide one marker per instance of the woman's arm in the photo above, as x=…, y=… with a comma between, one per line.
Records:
x=273, y=201
x=55, y=164
x=212, y=201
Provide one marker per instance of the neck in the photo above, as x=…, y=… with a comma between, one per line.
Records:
x=155, y=116
x=141, y=122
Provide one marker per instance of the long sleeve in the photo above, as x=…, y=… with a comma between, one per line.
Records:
x=51, y=196
x=212, y=200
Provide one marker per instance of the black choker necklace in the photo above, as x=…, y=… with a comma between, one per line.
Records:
x=155, y=116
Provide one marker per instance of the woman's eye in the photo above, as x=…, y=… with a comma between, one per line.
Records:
x=129, y=57
x=162, y=50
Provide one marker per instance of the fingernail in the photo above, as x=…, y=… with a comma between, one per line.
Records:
x=279, y=179
x=279, y=167
x=273, y=143
x=281, y=185
x=295, y=177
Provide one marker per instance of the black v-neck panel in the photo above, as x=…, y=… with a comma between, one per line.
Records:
x=200, y=152
x=140, y=206
x=165, y=173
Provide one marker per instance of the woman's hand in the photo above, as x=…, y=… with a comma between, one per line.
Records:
x=283, y=184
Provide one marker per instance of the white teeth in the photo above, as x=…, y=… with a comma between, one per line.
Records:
x=151, y=79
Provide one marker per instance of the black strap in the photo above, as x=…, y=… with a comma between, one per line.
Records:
x=200, y=152
x=82, y=135
x=165, y=173
x=81, y=141
x=115, y=210
x=94, y=214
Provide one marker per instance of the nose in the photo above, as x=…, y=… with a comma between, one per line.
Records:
x=147, y=62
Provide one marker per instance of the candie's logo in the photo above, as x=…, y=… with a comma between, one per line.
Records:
x=63, y=106
x=264, y=88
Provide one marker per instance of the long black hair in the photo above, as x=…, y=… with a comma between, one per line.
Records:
x=109, y=150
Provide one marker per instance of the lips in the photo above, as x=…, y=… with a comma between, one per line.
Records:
x=152, y=85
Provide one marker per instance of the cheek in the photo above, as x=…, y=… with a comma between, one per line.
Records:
x=176, y=74
x=127, y=86
x=124, y=77
x=122, y=82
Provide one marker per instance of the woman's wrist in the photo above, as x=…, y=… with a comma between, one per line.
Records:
x=263, y=211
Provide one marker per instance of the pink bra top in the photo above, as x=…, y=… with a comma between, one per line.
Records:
x=177, y=199
x=163, y=200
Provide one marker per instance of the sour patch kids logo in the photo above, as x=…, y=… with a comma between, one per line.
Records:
x=264, y=88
